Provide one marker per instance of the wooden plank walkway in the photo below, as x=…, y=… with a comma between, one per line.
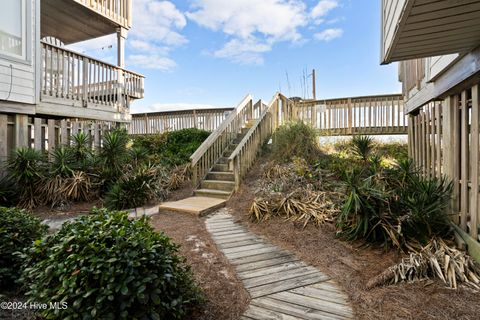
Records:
x=281, y=286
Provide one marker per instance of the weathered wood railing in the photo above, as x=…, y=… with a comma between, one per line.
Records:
x=212, y=148
x=245, y=153
x=79, y=80
x=360, y=115
x=160, y=122
x=119, y=11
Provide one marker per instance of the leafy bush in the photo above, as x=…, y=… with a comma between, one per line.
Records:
x=295, y=139
x=26, y=169
x=136, y=188
x=18, y=230
x=396, y=206
x=106, y=266
x=172, y=148
x=8, y=191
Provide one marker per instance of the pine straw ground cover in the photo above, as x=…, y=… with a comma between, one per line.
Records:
x=353, y=265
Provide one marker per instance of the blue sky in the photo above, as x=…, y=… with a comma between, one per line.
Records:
x=214, y=52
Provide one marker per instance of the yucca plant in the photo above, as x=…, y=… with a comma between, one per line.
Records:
x=114, y=154
x=25, y=168
x=63, y=160
x=363, y=146
x=81, y=149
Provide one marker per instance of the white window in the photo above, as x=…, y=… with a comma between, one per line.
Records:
x=13, y=25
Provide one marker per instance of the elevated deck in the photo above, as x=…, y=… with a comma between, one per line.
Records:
x=77, y=86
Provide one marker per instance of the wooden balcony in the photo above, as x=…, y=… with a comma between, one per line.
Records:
x=77, y=86
x=414, y=29
x=78, y=20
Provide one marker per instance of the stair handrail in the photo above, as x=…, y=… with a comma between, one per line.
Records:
x=245, y=153
x=212, y=148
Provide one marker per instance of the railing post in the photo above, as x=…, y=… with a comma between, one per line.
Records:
x=85, y=81
x=349, y=106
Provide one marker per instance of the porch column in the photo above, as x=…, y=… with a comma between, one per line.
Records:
x=121, y=37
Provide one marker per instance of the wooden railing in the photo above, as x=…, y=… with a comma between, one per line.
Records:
x=119, y=11
x=382, y=115
x=10, y=43
x=245, y=153
x=82, y=80
x=212, y=148
x=160, y=122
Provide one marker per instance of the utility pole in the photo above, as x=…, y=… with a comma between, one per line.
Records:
x=314, y=85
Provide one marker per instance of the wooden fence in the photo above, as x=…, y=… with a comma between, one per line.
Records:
x=372, y=115
x=444, y=140
x=160, y=122
x=42, y=134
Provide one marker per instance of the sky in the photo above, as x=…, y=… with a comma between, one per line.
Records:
x=199, y=53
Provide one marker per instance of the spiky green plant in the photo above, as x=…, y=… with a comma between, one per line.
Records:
x=63, y=161
x=81, y=149
x=114, y=154
x=25, y=168
x=363, y=146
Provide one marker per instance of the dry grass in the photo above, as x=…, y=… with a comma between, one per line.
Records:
x=352, y=265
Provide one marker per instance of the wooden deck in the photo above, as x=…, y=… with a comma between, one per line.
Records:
x=280, y=285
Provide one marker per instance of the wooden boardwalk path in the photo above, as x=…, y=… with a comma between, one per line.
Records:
x=281, y=286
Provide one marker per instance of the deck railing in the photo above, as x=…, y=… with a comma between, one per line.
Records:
x=160, y=122
x=359, y=115
x=80, y=80
x=245, y=153
x=212, y=148
x=119, y=11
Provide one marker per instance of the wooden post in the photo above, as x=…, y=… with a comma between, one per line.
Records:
x=3, y=137
x=37, y=135
x=474, y=158
x=121, y=37
x=464, y=163
x=21, y=131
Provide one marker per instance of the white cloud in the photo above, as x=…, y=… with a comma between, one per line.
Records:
x=278, y=19
x=329, y=34
x=244, y=51
x=323, y=8
x=155, y=31
x=148, y=61
x=253, y=27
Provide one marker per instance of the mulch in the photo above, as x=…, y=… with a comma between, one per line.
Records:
x=353, y=264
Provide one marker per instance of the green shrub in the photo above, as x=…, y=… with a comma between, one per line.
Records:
x=295, y=139
x=114, y=154
x=172, y=148
x=106, y=266
x=396, y=206
x=363, y=146
x=8, y=192
x=18, y=230
x=136, y=188
x=26, y=169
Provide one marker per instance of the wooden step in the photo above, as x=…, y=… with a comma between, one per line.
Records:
x=223, y=176
x=212, y=193
x=218, y=185
x=220, y=168
x=222, y=160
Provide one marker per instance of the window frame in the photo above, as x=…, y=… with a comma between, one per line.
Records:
x=25, y=57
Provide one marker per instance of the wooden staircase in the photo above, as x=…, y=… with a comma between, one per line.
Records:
x=220, y=180
x=224, y=158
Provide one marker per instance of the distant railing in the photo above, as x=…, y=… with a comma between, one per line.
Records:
x=10, y=43
x=212, y=148
x=82, y=80
x=381, y=115
x=160, y=122
x=119, y=11
x=271, y=118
